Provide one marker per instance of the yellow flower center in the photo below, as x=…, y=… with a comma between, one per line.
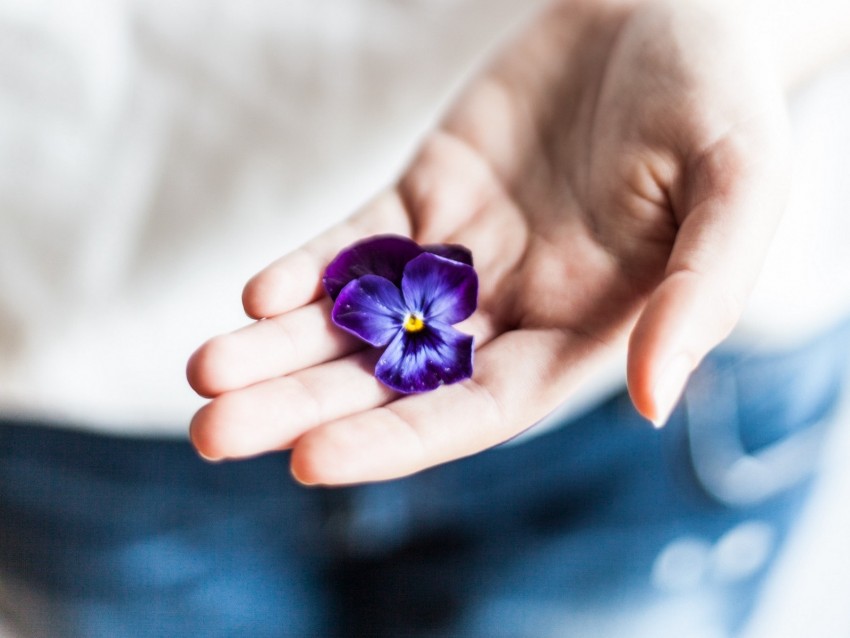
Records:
x=413, y=323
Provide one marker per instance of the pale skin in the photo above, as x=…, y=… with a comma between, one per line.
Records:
x=618, y=172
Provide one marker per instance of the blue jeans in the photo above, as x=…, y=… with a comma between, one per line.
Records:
x=602, y=527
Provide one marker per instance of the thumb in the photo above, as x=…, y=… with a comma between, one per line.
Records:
x=732, y=208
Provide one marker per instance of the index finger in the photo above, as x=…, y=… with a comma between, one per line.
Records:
x=294, y=280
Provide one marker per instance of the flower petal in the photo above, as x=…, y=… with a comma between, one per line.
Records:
x=422, y=361
x=441, y=289
x=371, y=308
x=382, y=255
x=455, y=252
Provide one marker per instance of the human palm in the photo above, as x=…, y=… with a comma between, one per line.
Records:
x=616, y=171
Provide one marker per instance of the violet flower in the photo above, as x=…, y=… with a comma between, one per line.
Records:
x=389, y=291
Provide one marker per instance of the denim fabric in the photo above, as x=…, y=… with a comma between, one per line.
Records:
x=601, y=528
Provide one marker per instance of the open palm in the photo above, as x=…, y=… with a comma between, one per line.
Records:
x=617, y=171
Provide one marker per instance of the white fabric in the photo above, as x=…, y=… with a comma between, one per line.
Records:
x=805, y=284
x=154, y=155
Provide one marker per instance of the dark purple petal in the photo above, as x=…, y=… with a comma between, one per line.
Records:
x=439, y=288
x=455, y=252
x=423, y=361
x=382, y=255
x=370, y=307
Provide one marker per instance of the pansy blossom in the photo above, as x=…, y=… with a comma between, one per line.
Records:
x=393, y=293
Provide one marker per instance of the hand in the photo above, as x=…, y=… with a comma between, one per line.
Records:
x=617, y=171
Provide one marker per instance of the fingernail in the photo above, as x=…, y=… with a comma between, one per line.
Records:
x=669, y=387
x=209, y=459
x=301, y=480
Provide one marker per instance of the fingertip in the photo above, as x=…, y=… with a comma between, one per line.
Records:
x=290, y=282
x=269, y=294
x=199, y=437
x=348, y=451
x=680, y=324
x=302, y=473
x=642, y=362
x=640, y=391
x=207, y=368
x=197, y=372
x=308, y=464
x=656, y=380
x=264, y=295
x=255, y=298
x=668, y=387
x=225, y=429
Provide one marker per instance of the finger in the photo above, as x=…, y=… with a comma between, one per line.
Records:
x=293, y=341
x=271, y=414
x=452, y=195
x=295, y=279
x=520, y=377
x=455, y=197
x=718, y=254
x=269, y=348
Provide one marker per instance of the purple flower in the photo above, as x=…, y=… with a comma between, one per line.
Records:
x=389, y=291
